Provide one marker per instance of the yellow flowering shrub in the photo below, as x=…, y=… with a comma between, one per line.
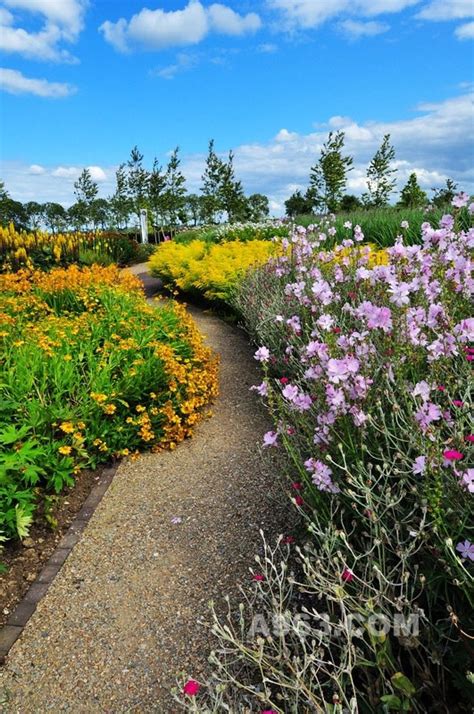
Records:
x=212, y=270
x=89, y=371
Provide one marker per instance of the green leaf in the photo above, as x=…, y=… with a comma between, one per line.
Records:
x=22, y=521
x=400, y=681
x=392, y=702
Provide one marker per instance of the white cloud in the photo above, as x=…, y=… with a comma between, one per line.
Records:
x=223, y=19
x=159, y=29
x=97, y=174
x=465, y=32
x=70, y=172
x=311, y=13
x=357, y=29
x=68, y=14
x=15, y=82
x=435, y=143
x=36, y=170
x=184, y=62
x=63, y=21
x=447, y=10
x=73, y=172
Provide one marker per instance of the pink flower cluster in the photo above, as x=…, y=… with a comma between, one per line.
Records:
x=357, y=326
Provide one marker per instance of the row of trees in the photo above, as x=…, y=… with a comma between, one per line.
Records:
x=328, y=181
x=162, y=191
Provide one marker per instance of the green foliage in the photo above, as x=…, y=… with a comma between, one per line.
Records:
x=87, y=373
x=380, y=175
x=328, y=177
x=298, y=204
x=443, y=196
x=411, y=195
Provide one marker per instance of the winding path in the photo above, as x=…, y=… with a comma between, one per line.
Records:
x=120, y=620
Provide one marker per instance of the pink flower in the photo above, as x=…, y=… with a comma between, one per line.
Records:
x=288, y=540
x=284, y=380
x=191, y=688
x=258, y=577
x=270, y=438
x=296, y=486
x=262, y=354
x=470, y=438
x=466, y=549
x=347, y=575
x=453, y=455
x=467, y=480
x=269, y=711
x=460, y=200
x=457, y=402
x=419, y=465
x=299, y=500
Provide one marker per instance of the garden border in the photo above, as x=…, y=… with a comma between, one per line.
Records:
x=18, y=619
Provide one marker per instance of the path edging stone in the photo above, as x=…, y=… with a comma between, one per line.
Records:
x=18, y=619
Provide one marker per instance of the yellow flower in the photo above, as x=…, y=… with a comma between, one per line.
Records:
x=67, y=427
x=66, y=450
x=109, y=409
x=99, y=398
x=67, y=358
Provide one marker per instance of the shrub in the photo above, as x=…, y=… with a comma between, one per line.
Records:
x=367, y=358
x=89, y=371
x=212, y=271
x=266, y=230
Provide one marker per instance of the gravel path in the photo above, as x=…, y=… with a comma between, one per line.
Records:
x=120, y=621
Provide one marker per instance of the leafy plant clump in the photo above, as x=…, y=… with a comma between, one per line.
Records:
x=89, y=371
x=367, y=361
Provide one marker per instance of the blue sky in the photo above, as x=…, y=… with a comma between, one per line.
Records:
x=82, y=81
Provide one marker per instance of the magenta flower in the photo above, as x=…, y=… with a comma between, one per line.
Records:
x=299, y=500
x=191, y=688
x=457, y=403
x=453, y=455
x=296, y=486
x=466, y=549
x=470, y=438
x=258, y=577
x=347, y=575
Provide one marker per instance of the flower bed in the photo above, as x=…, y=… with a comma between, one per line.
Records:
x=367, y=361
x=204, y=269
x=89, y=371
x=22, y=250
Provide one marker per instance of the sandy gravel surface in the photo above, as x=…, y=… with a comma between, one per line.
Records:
x=121, y=618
